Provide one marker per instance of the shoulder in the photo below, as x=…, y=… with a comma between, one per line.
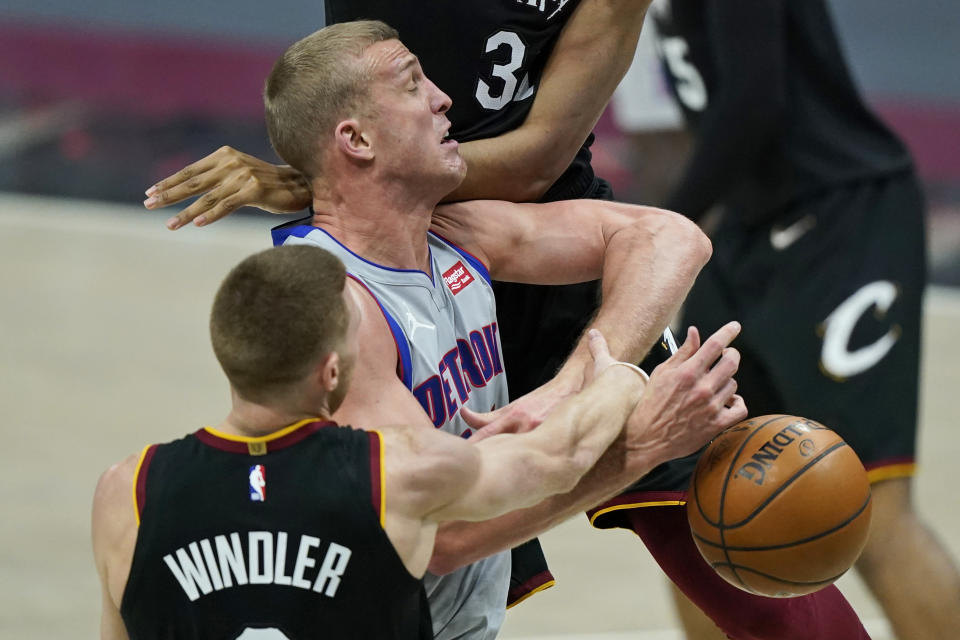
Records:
x=114, y=523
x=114, y=492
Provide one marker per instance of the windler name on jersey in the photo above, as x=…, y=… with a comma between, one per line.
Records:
x=227, y=560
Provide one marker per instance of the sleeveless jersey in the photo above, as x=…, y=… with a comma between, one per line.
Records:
x=830, y=136
x=444, y=325
x=487, y=55
x=270, y=538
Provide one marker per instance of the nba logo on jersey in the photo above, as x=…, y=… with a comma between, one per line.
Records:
x=457, y=277
x=258, y=483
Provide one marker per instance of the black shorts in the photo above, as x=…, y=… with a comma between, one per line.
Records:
x=829, y=296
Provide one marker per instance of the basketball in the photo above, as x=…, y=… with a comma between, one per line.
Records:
x=779, y=506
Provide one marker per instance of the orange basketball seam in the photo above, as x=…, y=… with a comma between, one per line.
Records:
x=723, y=497
x=785, y=484
x=843, y=524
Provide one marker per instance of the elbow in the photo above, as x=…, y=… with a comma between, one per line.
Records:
x=687, y=234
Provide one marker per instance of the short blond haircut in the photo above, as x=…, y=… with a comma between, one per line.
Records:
x=315, y=84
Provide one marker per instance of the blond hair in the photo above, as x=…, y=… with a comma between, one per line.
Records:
x=314, y=85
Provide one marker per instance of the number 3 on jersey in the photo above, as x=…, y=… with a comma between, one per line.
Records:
x=507, y=72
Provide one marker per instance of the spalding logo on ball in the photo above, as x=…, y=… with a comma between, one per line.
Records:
x=779, y=506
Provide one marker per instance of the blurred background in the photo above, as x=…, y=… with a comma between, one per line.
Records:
x=103, y=343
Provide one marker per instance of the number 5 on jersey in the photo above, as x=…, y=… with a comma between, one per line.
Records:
x=689, y=84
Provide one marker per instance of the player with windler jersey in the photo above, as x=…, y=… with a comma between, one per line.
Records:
x=279, y=524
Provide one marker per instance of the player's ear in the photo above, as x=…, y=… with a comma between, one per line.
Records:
x=354, y=141
x=329, y=372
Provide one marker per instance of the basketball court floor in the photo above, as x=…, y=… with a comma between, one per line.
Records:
x=104, y=348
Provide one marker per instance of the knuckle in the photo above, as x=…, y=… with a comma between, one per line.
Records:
x=208, y=200
x=225, y=206
x=700, y=394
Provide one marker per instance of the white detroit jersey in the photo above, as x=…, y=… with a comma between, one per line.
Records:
x=444, y=324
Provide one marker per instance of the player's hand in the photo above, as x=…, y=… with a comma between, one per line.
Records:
x=600, y=357
x=528, y=411
x=523, y=414
x=228, y=180
x=690, y=398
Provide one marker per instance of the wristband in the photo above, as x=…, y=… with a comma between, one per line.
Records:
x=640, y=372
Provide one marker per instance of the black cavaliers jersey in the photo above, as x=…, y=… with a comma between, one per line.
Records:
x=487, y=55
x=828, y=135
x=269, y=538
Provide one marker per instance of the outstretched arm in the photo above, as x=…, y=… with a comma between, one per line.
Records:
x=648, y=259
x=686, y=403
x=520, y=470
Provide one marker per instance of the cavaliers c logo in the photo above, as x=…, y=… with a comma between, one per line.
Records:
x=836, y=359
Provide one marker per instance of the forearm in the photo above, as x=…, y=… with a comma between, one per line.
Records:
x=591, y=55
x=462, y=543
x=520, y=470
x=648, y=269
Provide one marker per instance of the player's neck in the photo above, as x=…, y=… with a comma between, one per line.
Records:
x=253, y=420
x=386, y=226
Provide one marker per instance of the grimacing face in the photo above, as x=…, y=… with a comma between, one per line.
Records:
x=411, y=126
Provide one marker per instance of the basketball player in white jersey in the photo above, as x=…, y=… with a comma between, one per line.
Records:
x=350, y=107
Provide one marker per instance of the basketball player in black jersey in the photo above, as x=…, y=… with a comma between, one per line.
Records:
x=280, y=524
x=581, y=65
x=820, y=251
